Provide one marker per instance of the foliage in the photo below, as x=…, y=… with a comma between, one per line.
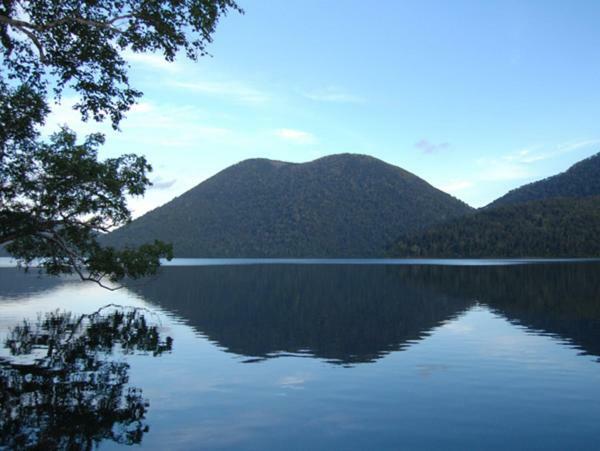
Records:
x=63, y=390
x=79, y=44
x=580, y=180
x=56, y=197
x=560, y=227
x=337, y=206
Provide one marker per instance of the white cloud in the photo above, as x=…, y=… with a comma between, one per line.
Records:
x=142, y=107
x=536, y=153
x=159, y=183
x=428, y=147
x=518, y=165
x=63, y=114
x=456, y=186
x=230, y=89
x=154, y=198
x=576, y=145
x=297, y=136
x=153, y=60
x=175, y=127
x=333, y=94
x=498, y=169
x=511, y=169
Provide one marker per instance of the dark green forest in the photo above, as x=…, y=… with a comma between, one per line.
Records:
x=357, y=206
x=337, y=206
x=563, y=227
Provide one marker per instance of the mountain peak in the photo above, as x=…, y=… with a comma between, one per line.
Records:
x=343, y=205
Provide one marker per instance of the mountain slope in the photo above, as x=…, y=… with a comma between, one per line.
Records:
x=580, y=180
x=559, y=227
x=337, y=206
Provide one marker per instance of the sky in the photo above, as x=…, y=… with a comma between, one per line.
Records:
x=476, y=97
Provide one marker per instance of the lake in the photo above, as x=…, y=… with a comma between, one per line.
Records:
x=297, y=355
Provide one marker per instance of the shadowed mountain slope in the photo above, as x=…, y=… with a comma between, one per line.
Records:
x=546, y=228
x=555, y=217
x=337, y=206
x=580, y=180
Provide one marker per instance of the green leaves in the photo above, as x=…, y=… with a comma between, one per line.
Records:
x=79, y=44
x=129, y=262
x=56, y=197
x=60, y=197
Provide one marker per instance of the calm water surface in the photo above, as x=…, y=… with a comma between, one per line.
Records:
x=306, y=356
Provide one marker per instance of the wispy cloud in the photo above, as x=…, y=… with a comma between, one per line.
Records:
x=536, y=153
x=333, y=94
x=456, y=186
x=63, y=114
x=500, y=169
x=153, y=60
x=142, y=107
x=175, y=127
x=520, y=164
x=159, y=183
x=576, y=145
x=426, y=146
x=297, y=136
x=230, y=89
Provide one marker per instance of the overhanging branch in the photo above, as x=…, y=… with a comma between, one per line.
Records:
x=24, y=25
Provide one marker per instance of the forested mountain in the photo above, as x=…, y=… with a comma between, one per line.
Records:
x=580, y=180
x=562, y=227
x=337, y=206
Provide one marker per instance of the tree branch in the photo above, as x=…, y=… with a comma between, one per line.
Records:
x=16, y=22
x=5, y=239
x=25, y=26
x=75, y=260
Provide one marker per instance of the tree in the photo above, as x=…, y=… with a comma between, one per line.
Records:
x=56, y=197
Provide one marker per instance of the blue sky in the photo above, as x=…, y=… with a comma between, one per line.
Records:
x=476, y=97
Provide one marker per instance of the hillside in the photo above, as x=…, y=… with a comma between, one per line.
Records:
x=547, y=228
x=580, y=180
x=337, y=206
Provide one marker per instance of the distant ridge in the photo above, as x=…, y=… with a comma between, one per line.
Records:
x=343, y=205
x=580, y=180
x=550, y=228
x=555, y=217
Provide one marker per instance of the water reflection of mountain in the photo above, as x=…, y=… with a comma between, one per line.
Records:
x=557, y=299
x=343, y=314
x=349, y=314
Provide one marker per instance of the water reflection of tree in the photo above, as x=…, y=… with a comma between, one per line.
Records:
x=63, y=388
